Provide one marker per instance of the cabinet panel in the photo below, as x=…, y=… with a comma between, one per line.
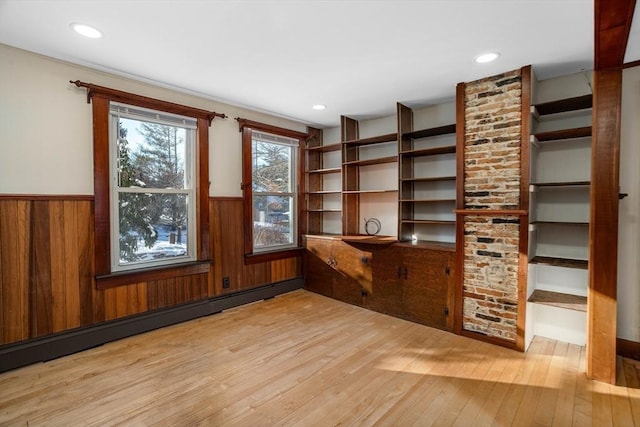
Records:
x=426, y=287
x=318, y=275
x=386, y=295
x=337, y=269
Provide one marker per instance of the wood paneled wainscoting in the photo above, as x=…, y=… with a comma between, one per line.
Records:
x=48, y=289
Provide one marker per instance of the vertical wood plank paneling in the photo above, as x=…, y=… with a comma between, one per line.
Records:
x=284, y=269
x=143, y=304
x=152, y=295
x=132, y=299
x=71, y=271
x=231, y=244
x=110, y=305
x=57, y=255
x=122, y=304
x=15, y=283
x=40, y=271
x=47, y=268
x=215, y=282
x=23, y=235
x=170, y=286
x=86, y=288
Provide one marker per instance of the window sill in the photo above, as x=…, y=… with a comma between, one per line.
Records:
x=259, y=257
x=123, y=278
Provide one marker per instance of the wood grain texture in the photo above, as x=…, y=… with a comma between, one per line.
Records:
x=303, y=359
x=603, y=249
x=47, y=269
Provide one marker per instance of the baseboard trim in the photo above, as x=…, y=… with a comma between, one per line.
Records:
x=25, y=353
x=628, y=349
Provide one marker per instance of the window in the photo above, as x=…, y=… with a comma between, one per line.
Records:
x=271, y=182
x=152, y=185
x=143, y=199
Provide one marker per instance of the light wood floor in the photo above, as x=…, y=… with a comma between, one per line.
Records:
x=303, y=359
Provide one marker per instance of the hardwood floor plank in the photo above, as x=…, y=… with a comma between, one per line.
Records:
x=304, y=359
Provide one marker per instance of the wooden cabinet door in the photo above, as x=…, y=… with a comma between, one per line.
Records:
x=354, y=278
x=426, y=287
x=388, y=276
x=337, y=269
x=318, y=276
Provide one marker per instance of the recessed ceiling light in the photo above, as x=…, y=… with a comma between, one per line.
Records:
x=487, y=57
x=319, y=107
x=86, y=30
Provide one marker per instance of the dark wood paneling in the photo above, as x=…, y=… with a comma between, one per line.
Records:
x=40, y=293
x=14, y=266
x=47, y=270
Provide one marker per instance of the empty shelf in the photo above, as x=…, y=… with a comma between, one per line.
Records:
x=560, y=262
x=557, y=299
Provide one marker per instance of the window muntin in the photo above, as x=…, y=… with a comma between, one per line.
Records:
x=273, y=183
x=152, y=158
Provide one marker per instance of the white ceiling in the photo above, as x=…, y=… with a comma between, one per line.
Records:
x=357, y=57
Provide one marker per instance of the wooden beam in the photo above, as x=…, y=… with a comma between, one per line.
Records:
x=612, y=25
x=603, y=233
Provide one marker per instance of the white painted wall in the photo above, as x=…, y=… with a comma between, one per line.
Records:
x=629, y=214
x=46, y=127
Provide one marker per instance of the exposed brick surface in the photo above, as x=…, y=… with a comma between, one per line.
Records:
x=492, y=182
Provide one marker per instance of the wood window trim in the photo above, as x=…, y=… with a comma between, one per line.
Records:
x=246, y=126
x=100, y=97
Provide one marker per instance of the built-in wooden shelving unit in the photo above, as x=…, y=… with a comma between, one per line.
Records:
x=427, y=172
x=559, y=217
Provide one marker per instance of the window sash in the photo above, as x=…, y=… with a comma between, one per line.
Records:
x=116, y=112
x=292, y=144
x=270, y=134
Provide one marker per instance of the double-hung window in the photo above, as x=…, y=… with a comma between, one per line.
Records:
x=152, y=184
x=271, y=182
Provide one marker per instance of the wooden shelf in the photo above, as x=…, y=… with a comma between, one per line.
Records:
x=370, y=240
x=426, y=133
x=428, y=244
x=429, y=179
x=561, y=262
x=429, y=221
x=426, y=200
x=368, y=191
x=328, y=236
x=377, y=161
x=556, y=135
x=324, y=171
x=325, y=148
x=324, y=192
x=492, y=212
x=564, y=105
x=562, y=184
x=373, y=140
x=570, y=223
x=430, y=151
x=324, y=210
x=557, y=299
